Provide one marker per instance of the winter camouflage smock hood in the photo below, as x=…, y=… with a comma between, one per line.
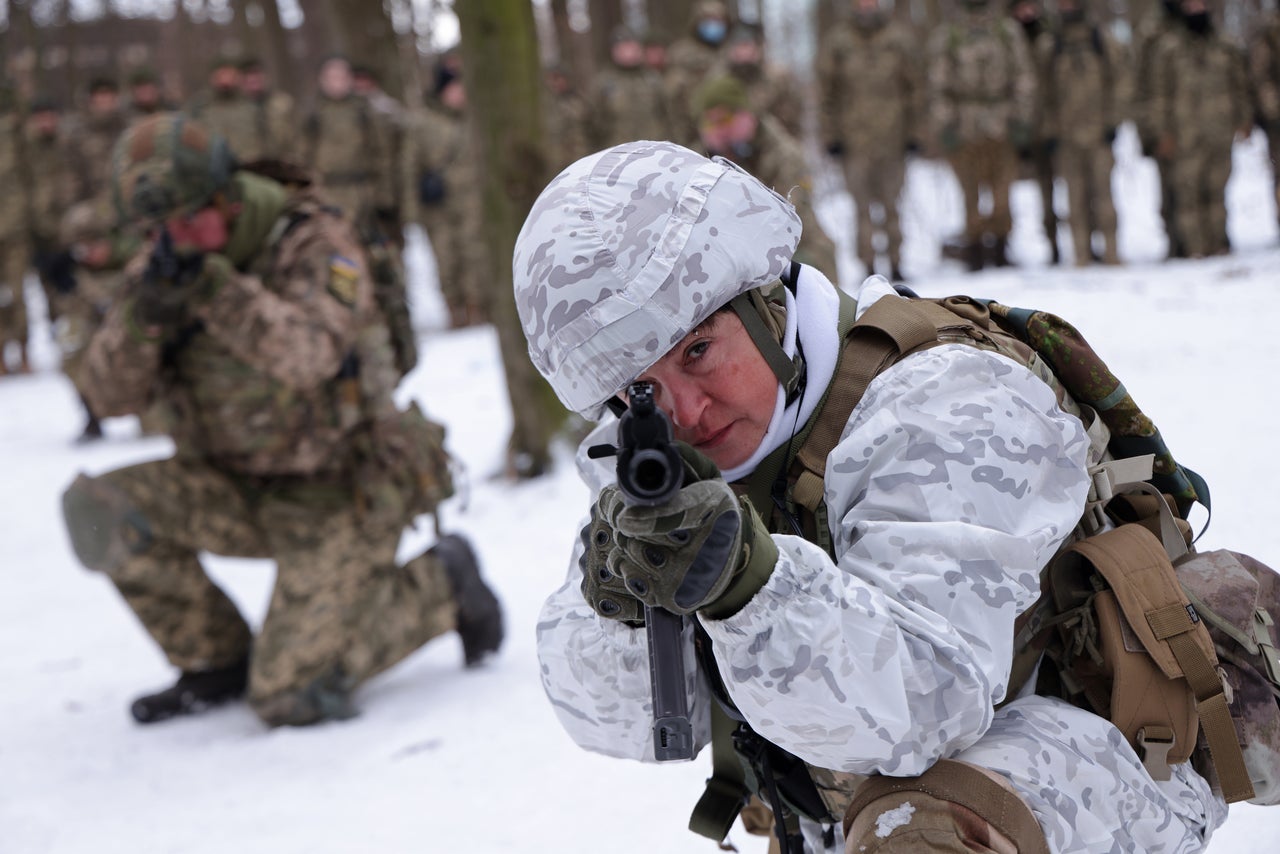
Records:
x=630, y=248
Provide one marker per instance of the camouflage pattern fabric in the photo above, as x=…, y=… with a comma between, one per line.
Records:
x=276, y=117
x=341, y=610
x=892, y=653
x=774, y=91
x=236, y=119
x=350, y=148
x=568, y=120
x=655, y=295
x=689, y=61
x=1200, y=101
x=990, y=164
x=1081, y=66
x=49, y=188
x=438, y=141
x=628, y=105
x=871, y=105
x=91, y=139
x=81, y=312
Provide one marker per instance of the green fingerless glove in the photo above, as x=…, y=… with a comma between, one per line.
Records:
x=605, y=592
x=706, y=550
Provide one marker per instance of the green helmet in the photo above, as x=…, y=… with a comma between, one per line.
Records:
x=167, y=164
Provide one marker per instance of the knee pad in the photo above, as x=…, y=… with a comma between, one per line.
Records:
x=104, y=525
x=952, y=807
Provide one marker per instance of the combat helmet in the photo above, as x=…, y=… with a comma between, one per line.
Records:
x=628, y=250
x=166, y=164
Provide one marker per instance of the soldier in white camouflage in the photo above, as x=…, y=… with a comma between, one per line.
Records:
x=883, y=653
x=871, y=102
x=981, y=102
x=253, y=316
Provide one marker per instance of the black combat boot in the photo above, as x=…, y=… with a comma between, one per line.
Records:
x=193, y=693
x=999, y=256
x=975, y=253
x=479, y=614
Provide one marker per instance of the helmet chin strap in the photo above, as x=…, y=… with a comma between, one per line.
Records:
x=790, y=372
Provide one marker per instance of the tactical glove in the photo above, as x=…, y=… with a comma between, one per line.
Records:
x=705, y=550
x=1109, y=135
x=835, y=148
x=605, y=592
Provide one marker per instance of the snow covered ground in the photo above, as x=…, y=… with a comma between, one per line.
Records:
x=443, y=759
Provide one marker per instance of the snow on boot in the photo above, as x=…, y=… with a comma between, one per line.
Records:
x=479, y=614
x=193, y=693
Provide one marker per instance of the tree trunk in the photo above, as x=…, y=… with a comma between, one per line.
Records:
x=605, y=16
x=277, y=56
x=504, y=91
x=571, y=48
x=669, y=18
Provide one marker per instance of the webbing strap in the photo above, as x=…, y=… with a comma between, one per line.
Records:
x=960, y=783
x=1174, y=624
x=726, y=792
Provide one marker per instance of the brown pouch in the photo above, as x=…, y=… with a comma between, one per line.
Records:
x=407, y=453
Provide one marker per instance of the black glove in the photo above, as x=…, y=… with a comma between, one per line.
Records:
x=912, y=147
x=835, y=148
x=59, y=270
x=162, y=295
x=431, y=188
x=1109, y=135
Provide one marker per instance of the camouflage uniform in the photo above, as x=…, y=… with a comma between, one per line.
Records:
x=627, y=105
x=689, y=61
x=1264, y=71
x=981, y=95
x=1199, y=102
x=90, y=139
x=437, y=154
x=870, y=110
x=888, y=653
x=235, y=118
x=288, y=446
x=1030, y=17
x=568, y=117
x=51, y=185
x=14, y=248
x=349, y=147
x=1080, y=70
x=772, y=89
x=1147, y=36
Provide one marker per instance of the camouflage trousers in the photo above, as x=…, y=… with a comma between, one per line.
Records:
x=457, y=244
x=13, y=303
x=1199, y=183
x=340, y=612
x=1087, y=172
x=990, y=164
x=876, y=180
x=1043, y=173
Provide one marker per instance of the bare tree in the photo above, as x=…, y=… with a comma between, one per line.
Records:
x=500, y=58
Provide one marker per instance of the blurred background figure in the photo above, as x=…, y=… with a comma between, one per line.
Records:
x=981, y=102
x=730, y=128
x=13, y=240
x=628, y=103
x=1264, y=71
x=567, y=117
x=47, y=159
x=773, y=90
x=1031, y=18
x=145, y=94
x=871, y=94
x=1081, y=69
x=275, y=112
x=689, y=59
x=1201, y=105
x=224, y=109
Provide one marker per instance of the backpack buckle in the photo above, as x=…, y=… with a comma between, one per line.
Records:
x=1154, y=744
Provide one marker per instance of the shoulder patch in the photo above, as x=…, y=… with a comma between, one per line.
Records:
x=344, y=275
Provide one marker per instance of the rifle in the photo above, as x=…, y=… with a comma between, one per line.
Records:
x=650, y=473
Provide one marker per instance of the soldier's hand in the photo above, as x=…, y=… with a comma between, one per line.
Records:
x=835, y=148
x=1109, y=136
x=705, y=550
x=605, y=592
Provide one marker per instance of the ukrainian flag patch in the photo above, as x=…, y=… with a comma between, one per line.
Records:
x=344, y=275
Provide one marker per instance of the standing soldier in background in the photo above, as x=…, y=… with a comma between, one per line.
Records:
x=224, y=110
x=1165, y=18
x=628, y=103
x=760, y=145
x=91, y=138
x=689, y=61
x=391, y=117
x=773, y=90
x=47, y=159
x=981, y=102
x=1201, y=102
x=274, y=112
x=1081, y=66
x=255, y=317
x=1264, y=72
x=99, y=251
x=350, y=148
x=145, y=95
x=1030, y=16
x=13, y=237
x=567, y=116
x=870, y=95
x=439, y=171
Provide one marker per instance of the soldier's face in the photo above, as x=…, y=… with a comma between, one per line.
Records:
x=253, y=82
x=722, y=128
x=205, y=230
x=717, y=389
x=145, y=94
x=103, y=101
x=225, y=79
x=45, y=123
x=336, y=79
x=627, y=54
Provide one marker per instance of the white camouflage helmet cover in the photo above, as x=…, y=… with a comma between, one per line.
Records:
x=627, y=250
